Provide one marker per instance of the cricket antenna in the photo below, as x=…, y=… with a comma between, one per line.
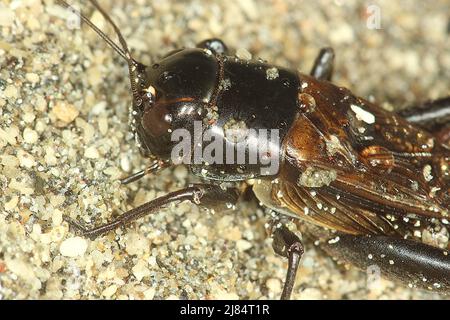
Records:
x=124, y=52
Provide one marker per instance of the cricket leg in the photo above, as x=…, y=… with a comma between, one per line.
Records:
x=410, y=262
x=287, y=244
x=152, y=168
x=432, y=115
x=201, y=194
x=323, y=65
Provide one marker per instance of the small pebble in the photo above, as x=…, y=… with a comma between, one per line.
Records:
x=11, y=204
x=149, y=293
x=125, y=163
x=7, y=17
x=201, y=231
x=103, y=125
x=40, y=103
x=9, y=161
x=73, y=247
x=342, y=34
x=221, y=294
x=243, y=245
x=25, y=159
x=180, y=173
x=140, y=270
x=136, y=244
x=32, y=77
x=65, y=112
x=110, y=291
x=274, y=285
x=57, y=217
x=11, y=92
x=91, y=153
x=29, y=117
x=30, y=136
x=9, y=135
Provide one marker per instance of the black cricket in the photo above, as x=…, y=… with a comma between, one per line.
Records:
x=210, y=85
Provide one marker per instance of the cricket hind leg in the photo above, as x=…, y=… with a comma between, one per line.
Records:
x=323, y=65
x=432, y=115
x=154, y=167
x=413, y=263
x=287, y=244
x=201, y=194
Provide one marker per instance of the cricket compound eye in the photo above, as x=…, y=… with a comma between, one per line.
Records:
x=157, y=120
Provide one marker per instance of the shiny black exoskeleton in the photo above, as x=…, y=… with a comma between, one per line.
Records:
x=218, y=90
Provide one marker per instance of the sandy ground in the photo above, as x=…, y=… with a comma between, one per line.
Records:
x=64, y=142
